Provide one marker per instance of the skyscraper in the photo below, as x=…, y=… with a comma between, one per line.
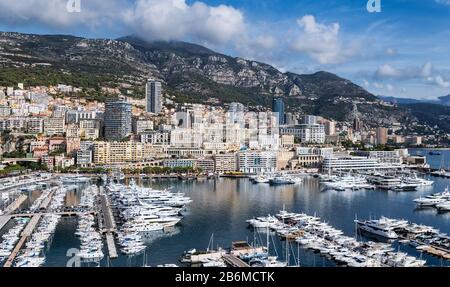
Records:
x=382, y=136
x=278, y=107
x=153, y=97
x=118, y=119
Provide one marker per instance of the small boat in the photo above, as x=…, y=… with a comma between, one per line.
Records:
x=434, y=153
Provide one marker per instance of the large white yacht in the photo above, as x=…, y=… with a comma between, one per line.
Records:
x=383, y=227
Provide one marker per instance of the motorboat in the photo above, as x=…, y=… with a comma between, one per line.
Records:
x=282, y=180
x=380, y=227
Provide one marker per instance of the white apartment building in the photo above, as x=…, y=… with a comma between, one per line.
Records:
x=156, y=137
x=226, y=162
x=306, y=133
x=257, y=162
x=354, y=163
x=54, y=126
x=186, y=138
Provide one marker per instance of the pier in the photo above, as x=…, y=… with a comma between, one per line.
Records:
x=111, y=246
x=107, y=224
x=234, y=261
x=107, y=217
x=4, y=220
x=15, y=204
x=26, y=233
x=10, y=209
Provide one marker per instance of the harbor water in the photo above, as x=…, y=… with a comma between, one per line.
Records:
x=222, y=206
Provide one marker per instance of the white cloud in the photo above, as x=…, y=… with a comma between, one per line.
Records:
x=176, y=20
x=366, y=84
x=55, y=14
x=445, y=2
x=441, y=82
x=391, y=52
x=150, y=19
x=387, y=71
x=319, y=41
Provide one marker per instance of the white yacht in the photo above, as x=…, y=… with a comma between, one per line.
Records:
x=261, y=179
x=434, y=199
x=348, y=182
x=443, y=206
x=282, y=180
x=383, y=227
x=415, y=180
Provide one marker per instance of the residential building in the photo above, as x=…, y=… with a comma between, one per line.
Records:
x=156, y=137
x=54, y=126
x=381, y=136
x=153, y=97
x=206, y=165
x=257, y=161
x=179, y=163
x=117, y=119
x=120, y=152
x=226, y=162
x=278, y=108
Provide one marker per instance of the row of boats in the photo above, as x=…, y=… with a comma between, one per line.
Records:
x=420, y=236
x=440, y=201
x=91, y=243
x=366, y=182
x=10, y=239
x=23, y=180
x=311, y=233
x=276, y=179
x=33, y=255
x=143, y=212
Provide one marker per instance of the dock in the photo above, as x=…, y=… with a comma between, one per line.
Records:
x=15, y=204
x=234, y=261
x=111, y=246
x=4, y=220
x=107, y=223
x=26, y=233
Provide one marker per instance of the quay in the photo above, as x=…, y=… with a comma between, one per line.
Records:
x=63, y=213
x=10, y=209
x=234, y=261
x=107, y=224
x=26, y=233
x=4, y=220
x=111, y=246
x=15, y=204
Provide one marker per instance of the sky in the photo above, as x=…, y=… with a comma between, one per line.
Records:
x=402, y=50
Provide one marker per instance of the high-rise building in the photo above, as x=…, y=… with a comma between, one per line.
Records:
x=357, y=124
x=309, y=120
x=330, y=128
x=153, y=97
x=382, y=136
x=278, y=107
x=118, y=119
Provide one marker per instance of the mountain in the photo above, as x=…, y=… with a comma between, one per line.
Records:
x=189, y=72
x=445, y=100
x=431, y=114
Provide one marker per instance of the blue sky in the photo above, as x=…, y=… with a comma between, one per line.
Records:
x=403, y=51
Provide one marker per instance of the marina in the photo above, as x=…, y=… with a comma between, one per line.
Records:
x=153, y=222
